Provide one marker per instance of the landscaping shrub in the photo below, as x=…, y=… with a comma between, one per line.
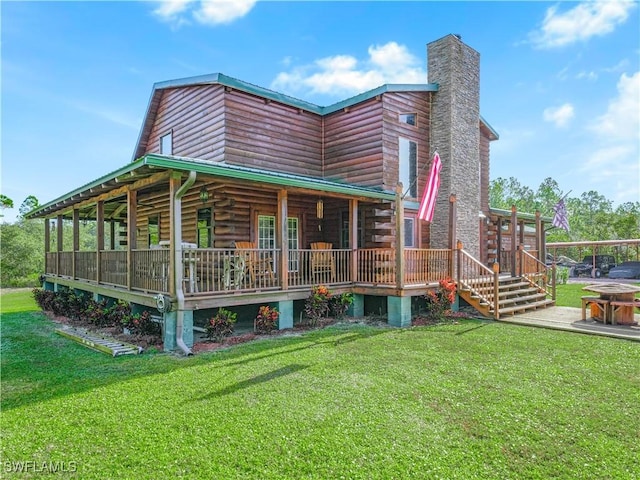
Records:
x=339, y=304
x=316, y=306
x=267, y=319
x=439, y=301
x=221, y=325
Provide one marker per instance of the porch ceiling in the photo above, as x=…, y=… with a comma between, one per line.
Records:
x=151, y=172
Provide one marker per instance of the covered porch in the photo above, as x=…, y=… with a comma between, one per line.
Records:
x=199, y=235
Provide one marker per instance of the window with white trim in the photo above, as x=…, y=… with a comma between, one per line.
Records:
x=166, y=144
x=407, y=164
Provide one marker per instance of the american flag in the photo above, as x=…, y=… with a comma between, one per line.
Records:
x=560, y=219
x=428, y=203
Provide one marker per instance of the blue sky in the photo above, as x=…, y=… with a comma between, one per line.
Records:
x=560, y=82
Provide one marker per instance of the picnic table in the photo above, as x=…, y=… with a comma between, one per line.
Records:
x=619, y=300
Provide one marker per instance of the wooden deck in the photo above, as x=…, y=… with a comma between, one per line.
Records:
x=569, y=319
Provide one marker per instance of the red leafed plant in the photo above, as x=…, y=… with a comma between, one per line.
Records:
x=267, y=319
x=439, y=301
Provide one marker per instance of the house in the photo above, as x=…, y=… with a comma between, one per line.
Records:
x=233, y=188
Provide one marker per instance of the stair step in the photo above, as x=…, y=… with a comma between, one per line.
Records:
x=522, y=300
x=524, y=308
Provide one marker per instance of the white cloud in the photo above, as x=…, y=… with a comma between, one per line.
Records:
x=621, y=121
x=588, y=75
x=215, y=12
x=342, y=75
x=207, y=12
x=586, y=20
x=560, y=116
x=615, y=156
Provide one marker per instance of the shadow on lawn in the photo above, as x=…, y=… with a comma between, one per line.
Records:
x=265, y=377
x=39, y=365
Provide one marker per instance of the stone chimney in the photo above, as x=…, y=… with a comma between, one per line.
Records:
x=455, y=133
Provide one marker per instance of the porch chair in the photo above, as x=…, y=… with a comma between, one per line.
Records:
x=323, y=264
x=258, y=265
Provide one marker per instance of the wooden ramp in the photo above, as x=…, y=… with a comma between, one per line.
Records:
x=100, y=343
x=569, y=319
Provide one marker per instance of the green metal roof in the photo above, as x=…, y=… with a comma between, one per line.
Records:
x=220, y=169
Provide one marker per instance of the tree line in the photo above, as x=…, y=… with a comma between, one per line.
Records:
x=591, y=217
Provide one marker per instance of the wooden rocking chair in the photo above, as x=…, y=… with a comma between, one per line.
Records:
x=258, y=264
x=323, y=263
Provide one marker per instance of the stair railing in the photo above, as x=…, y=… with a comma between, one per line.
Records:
x=481, y=281
x=537, y=273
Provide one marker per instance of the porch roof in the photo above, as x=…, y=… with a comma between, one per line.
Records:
x=531, y=217
x=154, y=163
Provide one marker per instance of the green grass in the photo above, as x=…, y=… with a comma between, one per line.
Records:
x=569, y=294
x=19, y=300
x=474, y=400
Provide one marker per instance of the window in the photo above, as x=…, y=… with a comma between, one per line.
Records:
x=166, y=144
x=408, y=118
x=266, y=232
x=409, y=232
x=407, y=162
x=344, y=230
x=267, y=236
x=153, y=229
x=205, y=233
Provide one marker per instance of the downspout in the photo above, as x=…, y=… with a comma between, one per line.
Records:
x=179, y=269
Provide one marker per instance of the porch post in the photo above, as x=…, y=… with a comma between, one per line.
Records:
x=399, y=311
x=47, y=244
x=59, y=242
x=100, y=234
x=285, y=320
x=399, y=238
x=539, y=244
x=514, y=240
x=131, y=233
x=282, y=239
x=76, y=240
x=453, y=215
x=353, y=238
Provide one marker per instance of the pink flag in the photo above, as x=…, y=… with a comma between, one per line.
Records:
x=428, y=203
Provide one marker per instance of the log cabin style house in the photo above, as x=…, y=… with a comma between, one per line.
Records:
x=238, y=195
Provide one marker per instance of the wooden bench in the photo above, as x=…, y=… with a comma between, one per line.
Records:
x=601, y=304
x=618, y=304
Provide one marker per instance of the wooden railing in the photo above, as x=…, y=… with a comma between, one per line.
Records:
x=113, y=267
x=85, y=267
x=220, y=271
x=426, y=266
x=65, y=264
x=150, y=270
x=480, y=280
x=536, y=273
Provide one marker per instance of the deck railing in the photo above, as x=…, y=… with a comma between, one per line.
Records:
x=480, y=280
x=537, y=273
x=220, y=271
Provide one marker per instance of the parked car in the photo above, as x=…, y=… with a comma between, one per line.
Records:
x=603, y=263
x=626, y=270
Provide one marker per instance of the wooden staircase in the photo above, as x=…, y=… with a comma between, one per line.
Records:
x=495, y=295
x=515, y=295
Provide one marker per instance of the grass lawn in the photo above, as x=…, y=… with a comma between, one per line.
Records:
x=473, y=400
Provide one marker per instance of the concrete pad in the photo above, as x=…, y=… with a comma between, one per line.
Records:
x=570, y=319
